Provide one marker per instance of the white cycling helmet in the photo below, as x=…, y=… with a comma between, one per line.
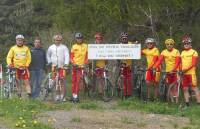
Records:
x=150, y=40
x=19, y=36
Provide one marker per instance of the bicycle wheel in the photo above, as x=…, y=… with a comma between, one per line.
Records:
x=137, y=85
x=143, y=89
x=162, y=88
x=47, y=92
x=7, y=90
x=120, y=89
x=108, y=90
x=93, y=89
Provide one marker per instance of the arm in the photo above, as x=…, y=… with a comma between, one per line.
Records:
x=142, y=52
x=159, y=62
x=194, y=63
x=48, y=56
x=9, y=58
x=155, y=58
x=28, y=58
x=86, y=58
x=177, y=63
x=66, y=56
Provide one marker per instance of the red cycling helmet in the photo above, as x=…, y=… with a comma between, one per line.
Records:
x=98, y=35
x=186, y=39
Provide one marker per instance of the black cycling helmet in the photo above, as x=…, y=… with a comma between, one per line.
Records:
x=78, y=35
x=124, y=35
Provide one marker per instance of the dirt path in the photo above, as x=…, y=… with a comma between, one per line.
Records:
x=110, y=119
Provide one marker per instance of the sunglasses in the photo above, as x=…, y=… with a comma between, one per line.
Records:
x=186, y=43
x=169, y=44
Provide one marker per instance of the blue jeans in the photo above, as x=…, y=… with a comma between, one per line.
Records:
x=36, y=77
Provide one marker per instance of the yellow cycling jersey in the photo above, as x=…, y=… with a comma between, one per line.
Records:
x=128, y=62
x=100, y=63
x=79, y=53
x=150, y=54
x=186, y=58
x=170, y=58
x=19, y=56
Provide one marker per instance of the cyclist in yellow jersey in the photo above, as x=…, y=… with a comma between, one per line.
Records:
x=78, y=57
x=151, y=53
x=99, y=65
x=188, y=65
x=19, y=57
x=171, y=56
x=126, y=65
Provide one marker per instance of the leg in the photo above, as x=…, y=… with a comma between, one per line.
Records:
x=38, y=82
x=196, y=91
x=74, y=81
x=129, y=82
x=33, y=82
x=155, y=90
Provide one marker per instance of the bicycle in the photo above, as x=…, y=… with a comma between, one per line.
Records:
x=53, y=86
x=104, y=83
x=140, y=82
x=10, y=85
x=165, y=89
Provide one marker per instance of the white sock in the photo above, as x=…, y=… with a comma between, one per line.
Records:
x=75, y=96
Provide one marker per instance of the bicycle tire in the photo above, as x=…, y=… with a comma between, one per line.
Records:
x=120, y=89
x=162, y=88
x=48, y=90
x=143, y=90
x=137, y=86
x=93, y=89
x=6, y=90
x=108, y=91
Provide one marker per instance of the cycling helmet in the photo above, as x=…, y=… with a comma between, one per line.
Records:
x=124, y=35
x=186, y=39
x=150, y=40
x=98, y=35
x=78, y=35
x=168, y=41
x=19, y=36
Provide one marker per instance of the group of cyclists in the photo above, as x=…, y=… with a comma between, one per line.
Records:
x=59, y=56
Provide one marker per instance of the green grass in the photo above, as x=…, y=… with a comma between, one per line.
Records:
x=193, y=112
x=18, y=112
x=76, y=119
x=126, y=120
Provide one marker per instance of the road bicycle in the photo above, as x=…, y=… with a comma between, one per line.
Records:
x=11, y=89
x=102, y=85
x=166, y=90
x=52, y=87
x=140, y=82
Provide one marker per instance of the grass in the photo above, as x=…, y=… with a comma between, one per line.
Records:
x=20, y=113
x=17, y=113
x=193, y=112
x=126, y=120
x=76, y=119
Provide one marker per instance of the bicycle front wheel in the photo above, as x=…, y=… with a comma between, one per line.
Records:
x=108, y=90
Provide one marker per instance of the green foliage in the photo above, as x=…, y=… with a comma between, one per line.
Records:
x=171, y=18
